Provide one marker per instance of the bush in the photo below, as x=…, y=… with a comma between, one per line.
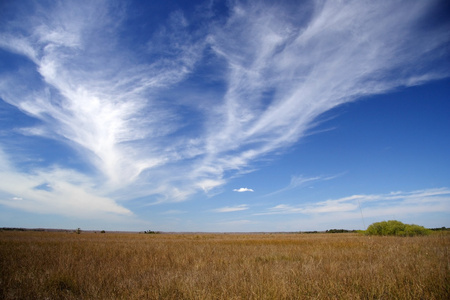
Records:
x=396, y=228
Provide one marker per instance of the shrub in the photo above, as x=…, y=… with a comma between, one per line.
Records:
x=397, y=228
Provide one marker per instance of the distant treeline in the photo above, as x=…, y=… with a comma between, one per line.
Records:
x=18, y=229
x=34, y=229
x=329, y=231
x=339, y=231
x=440, y=229
x=158, y=232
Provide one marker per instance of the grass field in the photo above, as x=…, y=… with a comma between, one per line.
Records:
x=56, y=265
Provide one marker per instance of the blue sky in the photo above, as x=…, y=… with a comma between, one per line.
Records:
x=224, y=115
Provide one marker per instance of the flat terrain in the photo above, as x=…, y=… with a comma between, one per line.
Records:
x=62, y=265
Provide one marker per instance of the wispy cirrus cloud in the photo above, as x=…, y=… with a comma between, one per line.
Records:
x=96, y=96
x=283, y=73
x=134, y=113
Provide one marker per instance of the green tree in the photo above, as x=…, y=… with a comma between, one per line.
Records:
x=396, y=228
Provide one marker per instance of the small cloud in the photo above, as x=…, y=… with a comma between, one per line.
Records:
x=241, y=190
x=17, y=198
x=231, y=208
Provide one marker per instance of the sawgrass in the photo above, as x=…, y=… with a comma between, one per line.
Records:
x=52, y=265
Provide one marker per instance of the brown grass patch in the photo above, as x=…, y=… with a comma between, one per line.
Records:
x=55, y=265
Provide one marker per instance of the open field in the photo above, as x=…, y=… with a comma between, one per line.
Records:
x=60, y=265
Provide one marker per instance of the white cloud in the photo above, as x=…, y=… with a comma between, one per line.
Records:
x=231, y=208
x=71, y=193
x=398, y=203
x=241, y=190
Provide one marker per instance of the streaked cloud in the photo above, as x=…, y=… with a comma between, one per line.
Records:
x=231, y=208
x=301, y=181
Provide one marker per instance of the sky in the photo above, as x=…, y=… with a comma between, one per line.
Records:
x=224, y=116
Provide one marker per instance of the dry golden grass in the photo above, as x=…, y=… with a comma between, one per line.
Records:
x=49, y=265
